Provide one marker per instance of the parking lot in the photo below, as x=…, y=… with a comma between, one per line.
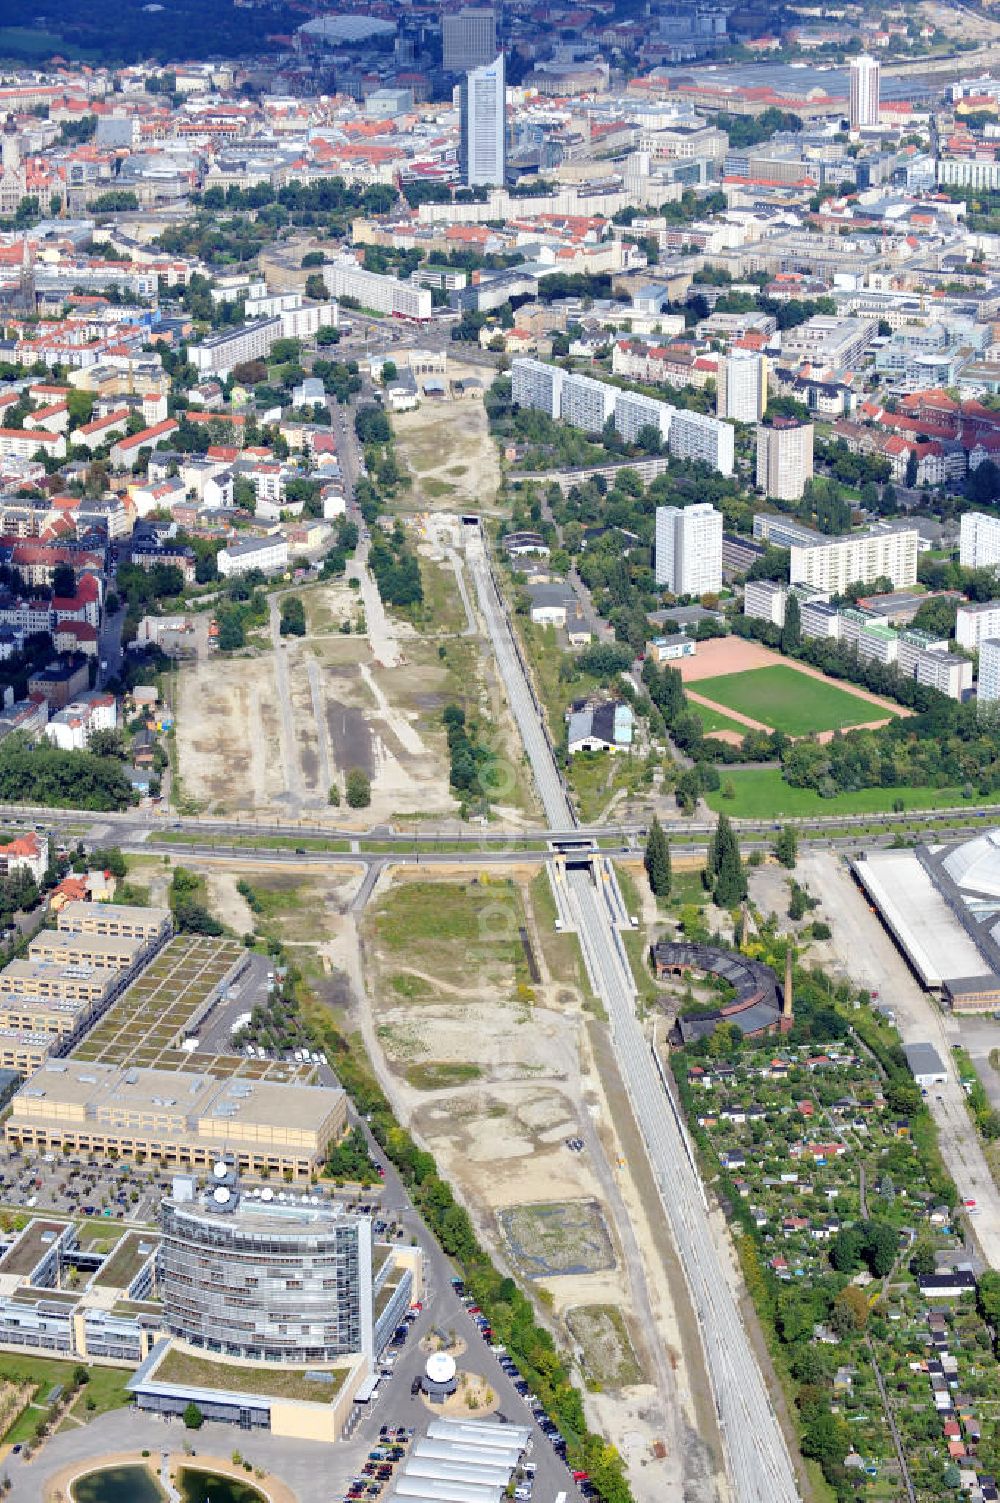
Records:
x=76, y=1186
x=446, y=1308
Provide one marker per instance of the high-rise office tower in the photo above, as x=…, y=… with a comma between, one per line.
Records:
x=468, y=37
x=742, y=391
x=784, y=458
x=483, y=138
x=689, y=549
x=864, y=92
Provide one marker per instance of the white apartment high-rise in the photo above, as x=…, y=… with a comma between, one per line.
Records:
x=864, y=92
x=537, y=385
x=742, y=390
x=979, y=540
x=482, y=147
x=988, y=685
x=831, y=564
x=689, y=549
x=587, y=403
x=695, y=435
x=977, y=623
x=784, y=458
x=468, y=37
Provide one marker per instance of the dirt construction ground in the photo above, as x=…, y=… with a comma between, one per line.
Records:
x=261, y=736
x=447, y=450
x=483, y=1023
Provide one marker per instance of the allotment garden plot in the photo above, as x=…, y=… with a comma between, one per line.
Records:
x=845, y=1221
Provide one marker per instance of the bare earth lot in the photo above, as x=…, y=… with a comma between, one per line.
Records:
x=494, y=1072
x=345, y=711
x=265, y=734
x=448, y=452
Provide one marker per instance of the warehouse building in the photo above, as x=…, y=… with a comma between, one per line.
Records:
x=941, y=904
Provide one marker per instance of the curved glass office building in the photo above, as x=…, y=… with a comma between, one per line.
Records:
x=269, y=1280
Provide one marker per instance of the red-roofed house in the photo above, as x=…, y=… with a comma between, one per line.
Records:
x=127, y=450
x=28, y=853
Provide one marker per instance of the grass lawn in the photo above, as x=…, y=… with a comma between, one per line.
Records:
x=712, y=720
x=762, y=794
x=278, y=1382
x=106, y=1388
x=562, y=952
x=451, y=929
x=435, y=1075
x=789, y=701
x=28, y=41
x=595, y=777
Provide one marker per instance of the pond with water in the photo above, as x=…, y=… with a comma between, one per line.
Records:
x=208, y=1487
x=118, y=1484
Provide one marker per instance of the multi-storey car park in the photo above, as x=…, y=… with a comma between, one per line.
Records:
x=166, y=1003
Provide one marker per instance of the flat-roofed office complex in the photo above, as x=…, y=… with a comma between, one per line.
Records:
x=106, y=952
x=49, y=978
x=266, y=1281
x=59, y=1017
x=177, y=1117
x=117, y=920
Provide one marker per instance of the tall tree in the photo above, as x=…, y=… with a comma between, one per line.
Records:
x=786, y=847
x=657, y=860
x=791, y=631
x=726, y=865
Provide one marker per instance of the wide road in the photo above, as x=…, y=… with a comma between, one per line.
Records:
x=757, y=1459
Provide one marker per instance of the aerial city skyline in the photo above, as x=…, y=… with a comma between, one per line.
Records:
x=499, y=752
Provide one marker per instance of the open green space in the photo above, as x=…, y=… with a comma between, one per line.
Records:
x=714, y=720
x=451, y=929
x=558, y=1237
x=437, y=1074
x=761, y=793
x=255, y=842
x=32, y=42
x=595, y=778
x=105, y=1388
x=787, y=700
x=192, y=1370
x=607, y=1354
x=562, y=952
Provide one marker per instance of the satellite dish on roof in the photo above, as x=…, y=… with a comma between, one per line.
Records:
x=220, y=1195
x=267, y=1194
x=220, y=1168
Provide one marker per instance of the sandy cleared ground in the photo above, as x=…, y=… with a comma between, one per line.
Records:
x=531, y=1081
x=347, y=711
x=960, y=21
x=448, y=451
x=266, y=734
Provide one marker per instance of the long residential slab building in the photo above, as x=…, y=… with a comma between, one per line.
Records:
x=588, y=404
x=886, y=550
